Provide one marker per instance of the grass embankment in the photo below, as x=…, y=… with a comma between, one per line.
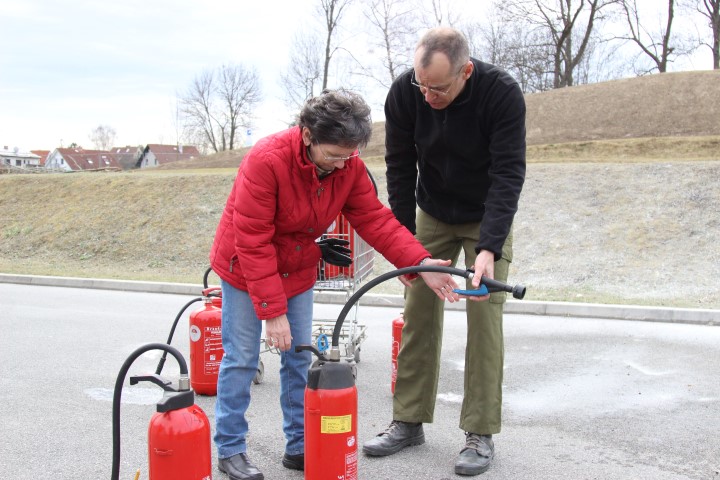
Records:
x=593, y=231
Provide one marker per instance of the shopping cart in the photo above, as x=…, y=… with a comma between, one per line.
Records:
x=332, y=278
x=344, y=279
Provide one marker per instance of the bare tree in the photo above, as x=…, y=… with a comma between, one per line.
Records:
x=332, y=11
x=515, y=47
x=239, y=92
x=218, y=104
x=710, y=9
x=602, y=61
x=200, y=111
x=394, y=25
x=568, y=25
x=659, y=46
x=440, y=13
x=302, y=78
x=103, y=137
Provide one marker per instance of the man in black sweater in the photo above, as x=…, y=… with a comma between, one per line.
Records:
x=455, y=155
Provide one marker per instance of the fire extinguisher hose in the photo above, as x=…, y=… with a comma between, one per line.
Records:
x=161, y=363
x=118, y=393
x=518, y=291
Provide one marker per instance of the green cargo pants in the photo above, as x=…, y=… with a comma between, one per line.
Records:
x=419, y=357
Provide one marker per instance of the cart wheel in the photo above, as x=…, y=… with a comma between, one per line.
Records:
x=357, y=355
x=259, y=374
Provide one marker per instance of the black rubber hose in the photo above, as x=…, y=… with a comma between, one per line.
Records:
x=381, y=278
x=161, y=363
x=518, y=291
x=205, y=277
x=118, y=393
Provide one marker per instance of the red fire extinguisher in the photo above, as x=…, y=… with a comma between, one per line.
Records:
x=331, y=422
x=397, y=326
x=331, y=395
x=206, y=350
x=179, y=432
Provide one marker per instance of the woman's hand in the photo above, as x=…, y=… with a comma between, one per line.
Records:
x=440, y=283
x=277, y=333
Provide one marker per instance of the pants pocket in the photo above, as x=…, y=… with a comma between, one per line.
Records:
x=502, y=267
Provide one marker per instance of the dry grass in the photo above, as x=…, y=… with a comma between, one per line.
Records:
x=122, y=225
x=633, y=150
x=662, y=105
x=630, y=220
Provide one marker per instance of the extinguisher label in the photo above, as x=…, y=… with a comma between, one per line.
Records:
x=340, y=424
x=351, y=465
x=213, y=350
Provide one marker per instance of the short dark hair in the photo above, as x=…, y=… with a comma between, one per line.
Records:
x=445, y=40
x=337, y=117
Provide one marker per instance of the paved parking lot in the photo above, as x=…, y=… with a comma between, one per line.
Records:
x=584, y=398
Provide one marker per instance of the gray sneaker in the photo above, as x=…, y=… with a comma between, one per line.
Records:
x=476, y=456
x=396, y=437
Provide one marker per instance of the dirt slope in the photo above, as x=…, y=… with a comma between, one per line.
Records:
x=662, y=105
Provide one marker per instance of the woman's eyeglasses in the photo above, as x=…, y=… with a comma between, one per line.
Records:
x=328, y=158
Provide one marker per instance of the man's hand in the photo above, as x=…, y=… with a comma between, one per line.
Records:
x=335, y=252
x=484, y=265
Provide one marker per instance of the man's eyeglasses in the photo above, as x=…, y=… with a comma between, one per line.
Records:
x=352, y=156
x=434, y=90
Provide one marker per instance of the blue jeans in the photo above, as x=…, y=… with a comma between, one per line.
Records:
x=241, y=333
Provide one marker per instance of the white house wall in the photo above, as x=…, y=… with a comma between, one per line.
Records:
x=150, y=160
x=56, y=161
x=20, y=160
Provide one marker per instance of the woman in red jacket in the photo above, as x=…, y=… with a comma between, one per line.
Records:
x=289, y=189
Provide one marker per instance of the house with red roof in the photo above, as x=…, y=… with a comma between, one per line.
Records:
x=127, y=156
x=79, y=159
x=42, y=154
x=156, y=154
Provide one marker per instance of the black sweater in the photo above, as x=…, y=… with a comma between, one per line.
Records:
x=470, y=156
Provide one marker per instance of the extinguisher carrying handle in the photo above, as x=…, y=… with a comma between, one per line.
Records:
x=173, y=398
x=310, y=348
x=483, y=290
x=154, y=378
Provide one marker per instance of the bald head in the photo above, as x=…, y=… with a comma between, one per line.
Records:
x=445, y=40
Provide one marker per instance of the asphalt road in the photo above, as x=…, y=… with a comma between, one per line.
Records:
x=584, y=398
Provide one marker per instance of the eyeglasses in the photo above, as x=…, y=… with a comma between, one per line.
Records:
x=352, y=156
x=434, y=90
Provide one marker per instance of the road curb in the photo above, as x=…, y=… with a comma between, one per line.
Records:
x=693, y=316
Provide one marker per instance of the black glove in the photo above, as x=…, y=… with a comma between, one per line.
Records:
x=335, y=252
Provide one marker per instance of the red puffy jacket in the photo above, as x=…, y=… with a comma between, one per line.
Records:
x=265, y=241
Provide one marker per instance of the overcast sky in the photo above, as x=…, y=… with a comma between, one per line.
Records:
x=68, y=66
